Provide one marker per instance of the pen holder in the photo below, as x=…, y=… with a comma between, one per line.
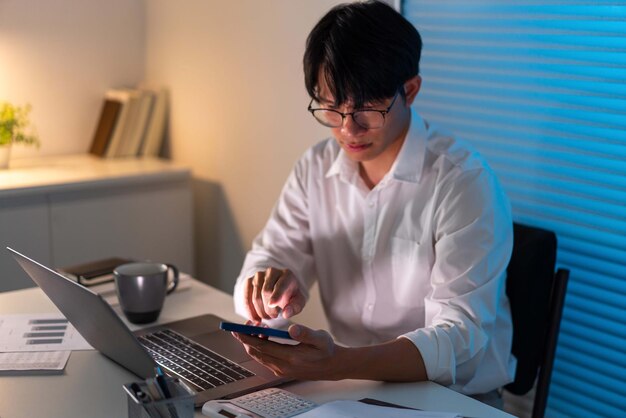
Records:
x=179, y=405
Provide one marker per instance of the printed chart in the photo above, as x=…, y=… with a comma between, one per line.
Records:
x=39, y=332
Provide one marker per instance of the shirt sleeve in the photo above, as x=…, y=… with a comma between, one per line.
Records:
x=473, y=241
x=285, y=240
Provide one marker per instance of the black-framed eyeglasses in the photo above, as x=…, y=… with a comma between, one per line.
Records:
x=365, y=118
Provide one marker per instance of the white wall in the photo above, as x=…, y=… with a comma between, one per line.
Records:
x=61, y=56
x=238, y=102
x=238, y=110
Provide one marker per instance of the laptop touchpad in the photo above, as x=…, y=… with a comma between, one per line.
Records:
x=224, y=344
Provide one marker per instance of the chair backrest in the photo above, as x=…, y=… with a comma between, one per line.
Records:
x=536, y=295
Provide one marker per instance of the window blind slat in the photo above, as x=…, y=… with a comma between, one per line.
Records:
x=539, y=89
x=600, y=382
x=553, y=55
x=449, y=113
x=594, y=279
x=564, y=186
x=587, y=400
x=540, y=219
x=589, y=249
x=588, y=406
x=585, y=318
x=510, y=78
x=550, y=99
x=523, y=112
x=612, y=154
x=592, y=334
x=585, y=177
x=546, y=38
x=529, y=66
x=523, y=140
x=583, y=352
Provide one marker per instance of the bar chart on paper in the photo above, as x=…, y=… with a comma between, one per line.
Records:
x=39, y=332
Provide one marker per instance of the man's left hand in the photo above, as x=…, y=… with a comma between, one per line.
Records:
x=315, y=358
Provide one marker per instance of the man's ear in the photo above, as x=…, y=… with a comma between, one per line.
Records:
x=411, y=88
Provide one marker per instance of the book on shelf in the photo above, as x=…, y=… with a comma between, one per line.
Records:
x=139, y=116
x=126, y=100
x=155, y=129
x=93, y=272
x=106, y=123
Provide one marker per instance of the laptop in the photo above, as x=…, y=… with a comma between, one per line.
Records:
x=208, y=360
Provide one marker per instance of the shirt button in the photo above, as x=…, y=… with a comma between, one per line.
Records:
x=370, y=204
x=370, y=307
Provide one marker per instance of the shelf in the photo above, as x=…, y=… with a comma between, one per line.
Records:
x=71, y=172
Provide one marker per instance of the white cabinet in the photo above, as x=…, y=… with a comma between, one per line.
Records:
x=23, y=227
x=68, y=210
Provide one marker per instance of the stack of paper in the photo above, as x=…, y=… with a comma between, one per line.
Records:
x=352, y=409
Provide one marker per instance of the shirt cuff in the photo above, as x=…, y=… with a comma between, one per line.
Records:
x=437, y=354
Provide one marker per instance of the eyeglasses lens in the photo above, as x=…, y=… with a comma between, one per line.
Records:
x=368, y=119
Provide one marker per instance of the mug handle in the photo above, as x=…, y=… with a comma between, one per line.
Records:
x=175, y=281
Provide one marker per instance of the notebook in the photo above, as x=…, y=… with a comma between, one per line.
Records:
x=208, y=360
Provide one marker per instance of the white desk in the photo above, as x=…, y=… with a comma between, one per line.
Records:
x=92, y=385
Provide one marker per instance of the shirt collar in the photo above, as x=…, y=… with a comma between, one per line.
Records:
x=343, y=166
x=409, y=162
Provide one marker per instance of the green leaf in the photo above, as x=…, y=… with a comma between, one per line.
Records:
x=15, y=126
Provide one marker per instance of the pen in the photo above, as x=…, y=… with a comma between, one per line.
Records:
x=162, y=385
x=160, y=379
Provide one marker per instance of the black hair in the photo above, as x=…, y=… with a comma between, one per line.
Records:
x=364, y=51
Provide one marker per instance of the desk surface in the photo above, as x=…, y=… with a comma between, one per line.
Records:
x=92, y=384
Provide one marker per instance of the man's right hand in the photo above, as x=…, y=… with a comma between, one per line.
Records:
x=271, y=292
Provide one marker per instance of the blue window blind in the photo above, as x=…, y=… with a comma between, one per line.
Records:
x=539, y=87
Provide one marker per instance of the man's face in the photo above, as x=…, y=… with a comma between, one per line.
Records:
x=369, y=145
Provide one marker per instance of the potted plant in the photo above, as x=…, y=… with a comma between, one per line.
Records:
x=15, y=128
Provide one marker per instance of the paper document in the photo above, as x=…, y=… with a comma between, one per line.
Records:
x=38, y=360
x=39, y=332
x=354, y=409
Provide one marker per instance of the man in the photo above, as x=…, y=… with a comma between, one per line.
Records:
x=406, y=230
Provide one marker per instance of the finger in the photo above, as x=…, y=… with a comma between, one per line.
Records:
x=284, y=288
x=258, y=324
x=261, y=348
x=255, y=348
x=257, y=299
x=249, y=304
x=272, y=275
x=288, y=296
x=295, y=306
x=251, y=340
x=319, y=338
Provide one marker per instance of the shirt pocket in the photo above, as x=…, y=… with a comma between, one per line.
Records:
x=410, y=269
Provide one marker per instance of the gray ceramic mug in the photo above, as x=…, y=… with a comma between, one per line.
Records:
x=142, y=287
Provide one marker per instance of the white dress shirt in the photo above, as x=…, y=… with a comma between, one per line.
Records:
x=422, y=255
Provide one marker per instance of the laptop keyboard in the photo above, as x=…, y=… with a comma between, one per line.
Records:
x=182, y=357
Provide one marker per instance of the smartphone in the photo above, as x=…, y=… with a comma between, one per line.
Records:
x=253, y=330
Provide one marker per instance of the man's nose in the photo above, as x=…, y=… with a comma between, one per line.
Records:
x=351, y=128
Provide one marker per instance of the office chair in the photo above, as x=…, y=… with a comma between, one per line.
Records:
x=536, y=294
